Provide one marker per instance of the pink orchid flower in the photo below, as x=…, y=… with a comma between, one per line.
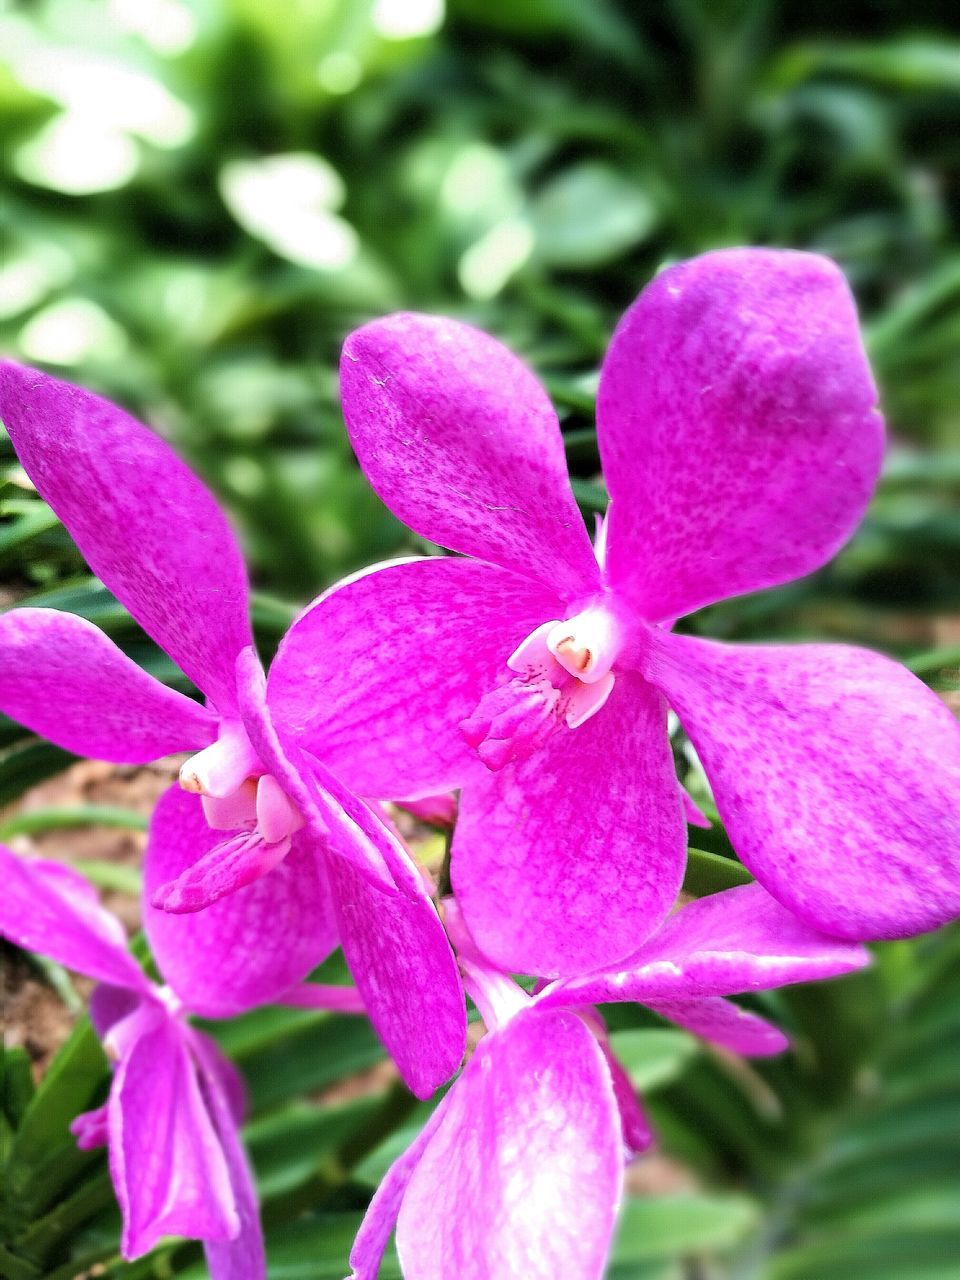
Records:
x=171, y=1123
x=544, y=1116
x=740, y=440
x=252, y=807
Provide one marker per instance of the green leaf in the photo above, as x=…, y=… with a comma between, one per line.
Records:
x=665, y=1226
x=589, y=215
x=57, y=819
x=708, y=873
x=653, y=1058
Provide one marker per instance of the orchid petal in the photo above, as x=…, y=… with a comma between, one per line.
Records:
x=391, y=935
x=634, y=1125
x=564, y=862
x=725, y=1024
x=738, y=940
x=64, y=679
x=52, y=910
x=166, y=1160
x=378, y=1221
x=146, y=526
x=92, y=1128
x=110, y=1005
x=406, y=974
x=461, y=442
x=247, y=948
x=356, y=835
x=737, y=427
x=384, y=714
x=529, y=1130
x=835, y=773
x=242, y=1257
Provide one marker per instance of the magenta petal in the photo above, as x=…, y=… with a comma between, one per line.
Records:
x=565, y=862
x=92, y=1128
x=242, y=1257
x=406, y=974
x=738, y=940
x=166, y=1159
x=251, y=946
x=737, y=426
x=725, y=1024
x=52, y=910
x=64, y=679
x=461, y=442
x=523, y=1176
x=836, y=774
x=635, y=1127
x=375, y=677
x=146, y=526
x=378, y=1221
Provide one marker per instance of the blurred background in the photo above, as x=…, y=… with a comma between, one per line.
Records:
x=200, y=198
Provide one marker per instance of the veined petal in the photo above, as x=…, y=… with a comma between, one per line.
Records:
x=737, y=426
x=566, y=861
x=634, y=1125
x=375, y=677
x=166, y=1159
x=388, y=927
x=725, y=1024
x=739, y=940
x=242, y=1257
x=378, y=1221
x=836, y=774
x=247, y=948
x=50, y=909
x=529, y=1130
x=64, y=679
x=405, y=972
x=461, y=442
x=146, y=526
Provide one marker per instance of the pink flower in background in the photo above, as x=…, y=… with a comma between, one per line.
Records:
x=740, y=441
x=171, y=1123
x=544, y=1116
x=254, y=808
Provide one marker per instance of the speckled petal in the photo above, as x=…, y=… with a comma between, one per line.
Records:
x=64, y=679
x=54, y=911
x=375, y=677
x=243, y=1257
x=145, y=524
x=739, y=940
x=725, y=1024
x=836, y=774
x=737, y=427
x=566, y=861
x=462, y=443
x=166, y=1160
x=530, y=1131
x=274, y=931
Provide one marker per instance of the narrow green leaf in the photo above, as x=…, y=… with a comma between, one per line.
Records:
x=653, y=1058
x=710, y=873
x=664, y=1226
x=57, y=819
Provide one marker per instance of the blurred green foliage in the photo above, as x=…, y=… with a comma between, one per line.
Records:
x=200, y=198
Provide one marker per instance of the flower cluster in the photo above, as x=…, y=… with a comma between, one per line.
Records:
x=531, y=672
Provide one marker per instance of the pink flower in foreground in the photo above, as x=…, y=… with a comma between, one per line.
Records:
x=519, y=1170
x=172, y=1119
x=255, y=808
x=740, y=442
